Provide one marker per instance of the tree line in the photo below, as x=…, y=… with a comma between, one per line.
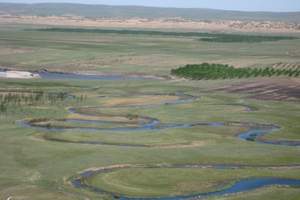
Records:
x=221, y=71
x=14, y=98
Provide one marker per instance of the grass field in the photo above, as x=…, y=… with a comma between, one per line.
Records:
x=39, y=164
x=131, y=53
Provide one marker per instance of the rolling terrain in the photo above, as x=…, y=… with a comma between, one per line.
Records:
x=148, y=17
x=127, y=12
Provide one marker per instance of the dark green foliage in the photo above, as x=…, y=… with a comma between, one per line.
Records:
x=220, y=71
x=13, y=98
x=207, y=37
x=231, y=38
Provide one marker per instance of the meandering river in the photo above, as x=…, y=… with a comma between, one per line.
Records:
x=254, y=133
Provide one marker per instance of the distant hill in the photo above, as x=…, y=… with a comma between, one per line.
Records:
x=125, y=12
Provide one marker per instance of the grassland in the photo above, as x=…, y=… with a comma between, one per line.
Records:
x=207, y=37
x=32, y=166
x=57, y=51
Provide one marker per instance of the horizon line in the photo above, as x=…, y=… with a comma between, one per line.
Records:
x=146, y=6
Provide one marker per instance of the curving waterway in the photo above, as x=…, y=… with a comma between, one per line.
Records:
x=52, y=75
x=242, y=185
x=254, y=133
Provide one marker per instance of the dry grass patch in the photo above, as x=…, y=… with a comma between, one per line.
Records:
x=277, y=89
x=141, y=100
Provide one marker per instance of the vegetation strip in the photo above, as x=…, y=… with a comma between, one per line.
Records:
x=12, y=98
x=207, y=37
x=219, y=71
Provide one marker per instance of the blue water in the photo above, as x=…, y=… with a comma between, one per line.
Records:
x=65, y=76
x=254, y=135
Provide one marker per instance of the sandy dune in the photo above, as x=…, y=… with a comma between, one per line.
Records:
x=163, y=23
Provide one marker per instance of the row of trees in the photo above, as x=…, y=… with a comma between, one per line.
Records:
x=220, y=71
x=18, y=99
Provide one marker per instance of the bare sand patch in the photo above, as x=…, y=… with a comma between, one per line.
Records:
x=193, y=144
x=18, y=75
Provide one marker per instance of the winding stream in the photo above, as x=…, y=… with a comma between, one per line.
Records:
x=254, y=133
x=242, y=185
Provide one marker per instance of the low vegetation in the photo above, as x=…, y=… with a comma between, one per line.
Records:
x=230, y=38
x=220, y=71
x=13, y=98
x=207, y=37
